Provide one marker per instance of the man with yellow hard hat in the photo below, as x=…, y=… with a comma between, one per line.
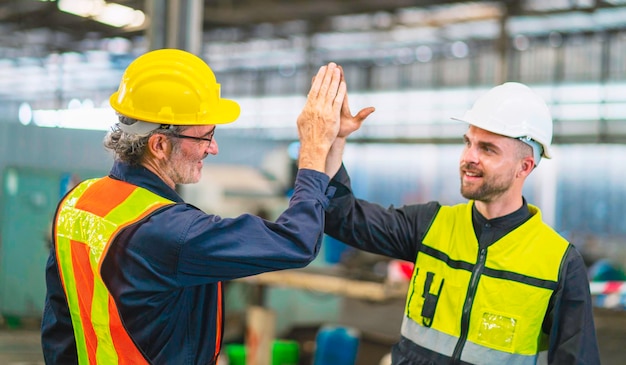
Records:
x=492, y=283
x=135, y=275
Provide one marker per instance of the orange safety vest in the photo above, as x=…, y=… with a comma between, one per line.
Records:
x=87, y=221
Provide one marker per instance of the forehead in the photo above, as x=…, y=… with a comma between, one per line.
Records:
x=481, y=135
x=199, y=129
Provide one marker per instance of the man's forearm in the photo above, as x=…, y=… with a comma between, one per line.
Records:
x=335, y=156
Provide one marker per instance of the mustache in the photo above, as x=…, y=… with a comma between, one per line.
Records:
x=469, y=167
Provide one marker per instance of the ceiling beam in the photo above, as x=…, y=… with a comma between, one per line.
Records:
x=255, y=11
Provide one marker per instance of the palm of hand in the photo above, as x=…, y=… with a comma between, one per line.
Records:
x=350, y=123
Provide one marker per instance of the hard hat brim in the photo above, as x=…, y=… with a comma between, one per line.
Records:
x=227, y=112
x=547, y=153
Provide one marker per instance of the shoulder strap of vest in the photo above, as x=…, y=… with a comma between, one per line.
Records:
x=110, y=205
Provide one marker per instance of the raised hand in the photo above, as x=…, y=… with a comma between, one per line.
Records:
x=349, y=122
x=318, y=123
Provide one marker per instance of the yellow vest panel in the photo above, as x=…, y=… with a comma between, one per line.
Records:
x=505, y=288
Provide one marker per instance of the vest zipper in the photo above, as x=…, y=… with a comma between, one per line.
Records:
x=467, y=307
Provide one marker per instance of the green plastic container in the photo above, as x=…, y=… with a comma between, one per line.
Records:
x=285, y=352
x=12, y=322
x=236, y=354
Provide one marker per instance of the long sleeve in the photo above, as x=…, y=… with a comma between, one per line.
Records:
x=393, y=232
x=57, y=335
x=227, y=248
x=572, y=335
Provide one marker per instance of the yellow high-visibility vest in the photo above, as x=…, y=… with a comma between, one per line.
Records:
x=86, y=224
x=484, y=306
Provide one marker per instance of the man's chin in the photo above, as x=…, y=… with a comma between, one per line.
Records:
x=194, y=180
x=470, y=195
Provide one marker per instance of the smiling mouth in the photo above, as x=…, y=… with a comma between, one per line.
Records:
x=470, y=175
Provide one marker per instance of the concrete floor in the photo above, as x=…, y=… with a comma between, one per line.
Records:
x=22, y=346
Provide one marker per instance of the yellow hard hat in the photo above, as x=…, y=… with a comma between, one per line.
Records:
x=171, y=86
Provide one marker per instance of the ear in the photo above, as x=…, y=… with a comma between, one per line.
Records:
x=527, y=165
x=159, y=146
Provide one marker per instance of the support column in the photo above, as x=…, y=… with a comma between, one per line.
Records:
x=175, y=24
x=503, y=47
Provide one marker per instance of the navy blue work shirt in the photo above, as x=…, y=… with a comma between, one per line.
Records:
x=164, y=272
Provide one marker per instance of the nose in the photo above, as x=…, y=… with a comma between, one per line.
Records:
x=213, y=147
x=469, y=154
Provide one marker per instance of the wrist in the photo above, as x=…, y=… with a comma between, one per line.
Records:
x=339, y=142
x=313, y=157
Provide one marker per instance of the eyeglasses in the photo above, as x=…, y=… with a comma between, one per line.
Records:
x=199, y=139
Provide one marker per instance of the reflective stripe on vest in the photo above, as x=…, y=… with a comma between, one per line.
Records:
x=86, y=225
x=488, y=303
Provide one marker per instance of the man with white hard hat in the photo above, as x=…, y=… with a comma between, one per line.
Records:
x=492, y=283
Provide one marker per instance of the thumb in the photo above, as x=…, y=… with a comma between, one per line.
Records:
x=364, y=113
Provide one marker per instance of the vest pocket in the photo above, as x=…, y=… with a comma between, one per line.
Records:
x=497, y=330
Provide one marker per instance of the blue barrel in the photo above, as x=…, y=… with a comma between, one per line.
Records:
x=335, y=250
x=336, y=346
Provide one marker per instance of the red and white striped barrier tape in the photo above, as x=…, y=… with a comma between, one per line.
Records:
x=607, y=287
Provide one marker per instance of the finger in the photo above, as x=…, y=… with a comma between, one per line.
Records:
x=364, y=113
x=339, y=98
x=316, y=82
x=333, y=88
x=328, y=77
x=345, y=107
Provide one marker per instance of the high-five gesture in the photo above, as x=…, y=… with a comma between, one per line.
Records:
x=318, y=123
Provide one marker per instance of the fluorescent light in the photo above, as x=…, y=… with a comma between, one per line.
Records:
x=78, y=118
x=115, y=15
x=25, y=114
x=84, y=8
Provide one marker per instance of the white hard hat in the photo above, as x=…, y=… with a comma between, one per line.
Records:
x=513, y=110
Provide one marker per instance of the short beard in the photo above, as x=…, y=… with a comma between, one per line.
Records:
x=487, y=192
x=174, y=164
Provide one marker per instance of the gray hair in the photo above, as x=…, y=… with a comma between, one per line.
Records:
x=129, y=147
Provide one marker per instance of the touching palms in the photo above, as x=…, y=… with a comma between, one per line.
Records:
x=350, y=123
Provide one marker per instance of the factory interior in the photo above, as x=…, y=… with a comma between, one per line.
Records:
x=420, y=63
